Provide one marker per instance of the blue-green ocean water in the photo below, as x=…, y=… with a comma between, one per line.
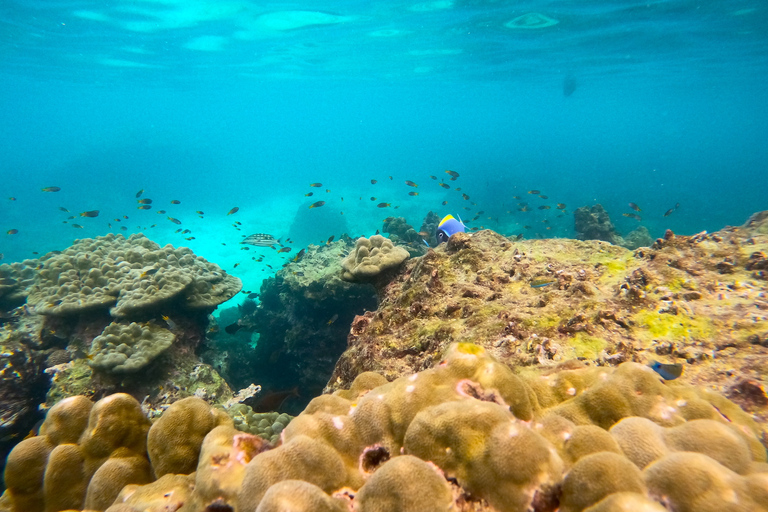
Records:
x=223, y=103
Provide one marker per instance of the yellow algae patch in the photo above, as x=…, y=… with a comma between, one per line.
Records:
x=650, y=325
x=587, y=346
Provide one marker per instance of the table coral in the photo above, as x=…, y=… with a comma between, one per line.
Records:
x=127, y=276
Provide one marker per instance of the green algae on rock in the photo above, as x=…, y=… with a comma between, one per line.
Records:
x=699, y=300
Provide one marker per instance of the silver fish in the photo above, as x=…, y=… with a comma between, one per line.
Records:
x=260, y=240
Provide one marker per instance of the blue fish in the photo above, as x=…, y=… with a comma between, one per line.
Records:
x=667, y=371
x=448, y=227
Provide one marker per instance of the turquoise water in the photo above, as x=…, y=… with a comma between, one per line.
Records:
x=222, y=104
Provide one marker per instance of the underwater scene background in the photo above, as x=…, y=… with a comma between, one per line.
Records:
x=594, y=155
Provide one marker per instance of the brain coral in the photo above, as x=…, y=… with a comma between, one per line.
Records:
x=371, y=257
x=129, y=276
x=127, y=348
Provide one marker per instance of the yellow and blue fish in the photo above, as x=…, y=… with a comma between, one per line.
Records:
x=449, y=227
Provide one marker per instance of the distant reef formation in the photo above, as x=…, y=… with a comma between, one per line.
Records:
x=491, y=374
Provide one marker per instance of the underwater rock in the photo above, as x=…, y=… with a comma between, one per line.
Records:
x=593, y=223
x=404, y=235
x=637, y=238
x=301, y=322
x=545, y=302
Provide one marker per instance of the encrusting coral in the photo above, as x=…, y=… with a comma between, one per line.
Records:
x=128, y=348
x=467, y=434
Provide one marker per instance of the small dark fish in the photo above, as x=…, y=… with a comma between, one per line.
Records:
x=516, y=197
x=284, y=249
x=632, y=216
x=544, y=207
x=534, y=192
x=50, y=189
x=635, y=207
x=309, y=195
x=410, y=183
x=330, y=239
x=540, y=282
x=525, y=208
x=373, y=198
x=433, y=177
x=178, y=231
x=71, y=217
x=444, y=203
x=518, y=237
x=185, y=232
x=11, y=231
x=233, y=210
x=384, y=205
x=317, y=204
x=145, y=207
x=333, y=318
x=465, y=196
x=125, y=216
x=413, y=193
x=671, y=210
x=667, y=371
x=144, y=201
x=453, y=174
x=149, y=272
x=78, y=226
x=373, y=182
x=138, y=194
x=316, y=185
x=444, y=185
x=11, y=198
x=296, y=258
x=199, y=212
x=560, y=206
x=253, y=295
x=543, y=196
x=233, y=328
x=235, y=265
x=91, y=213
x=175, y=201
x=175, y=221
x=189, y=238
x=124, y=228
x=63, y=209
x=327, y=191
x=458, y=189
x=160, y=212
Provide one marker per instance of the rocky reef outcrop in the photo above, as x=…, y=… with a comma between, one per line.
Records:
x=301, y=324
x=698, y=300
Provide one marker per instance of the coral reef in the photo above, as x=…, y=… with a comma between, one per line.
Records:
x=15, y=279
x=301, y=321
x=593, y=223
x=372, y=260
x=404, y=235
x=128, y=276
x=698, y=300
x=127, y=348
x=468, y=434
